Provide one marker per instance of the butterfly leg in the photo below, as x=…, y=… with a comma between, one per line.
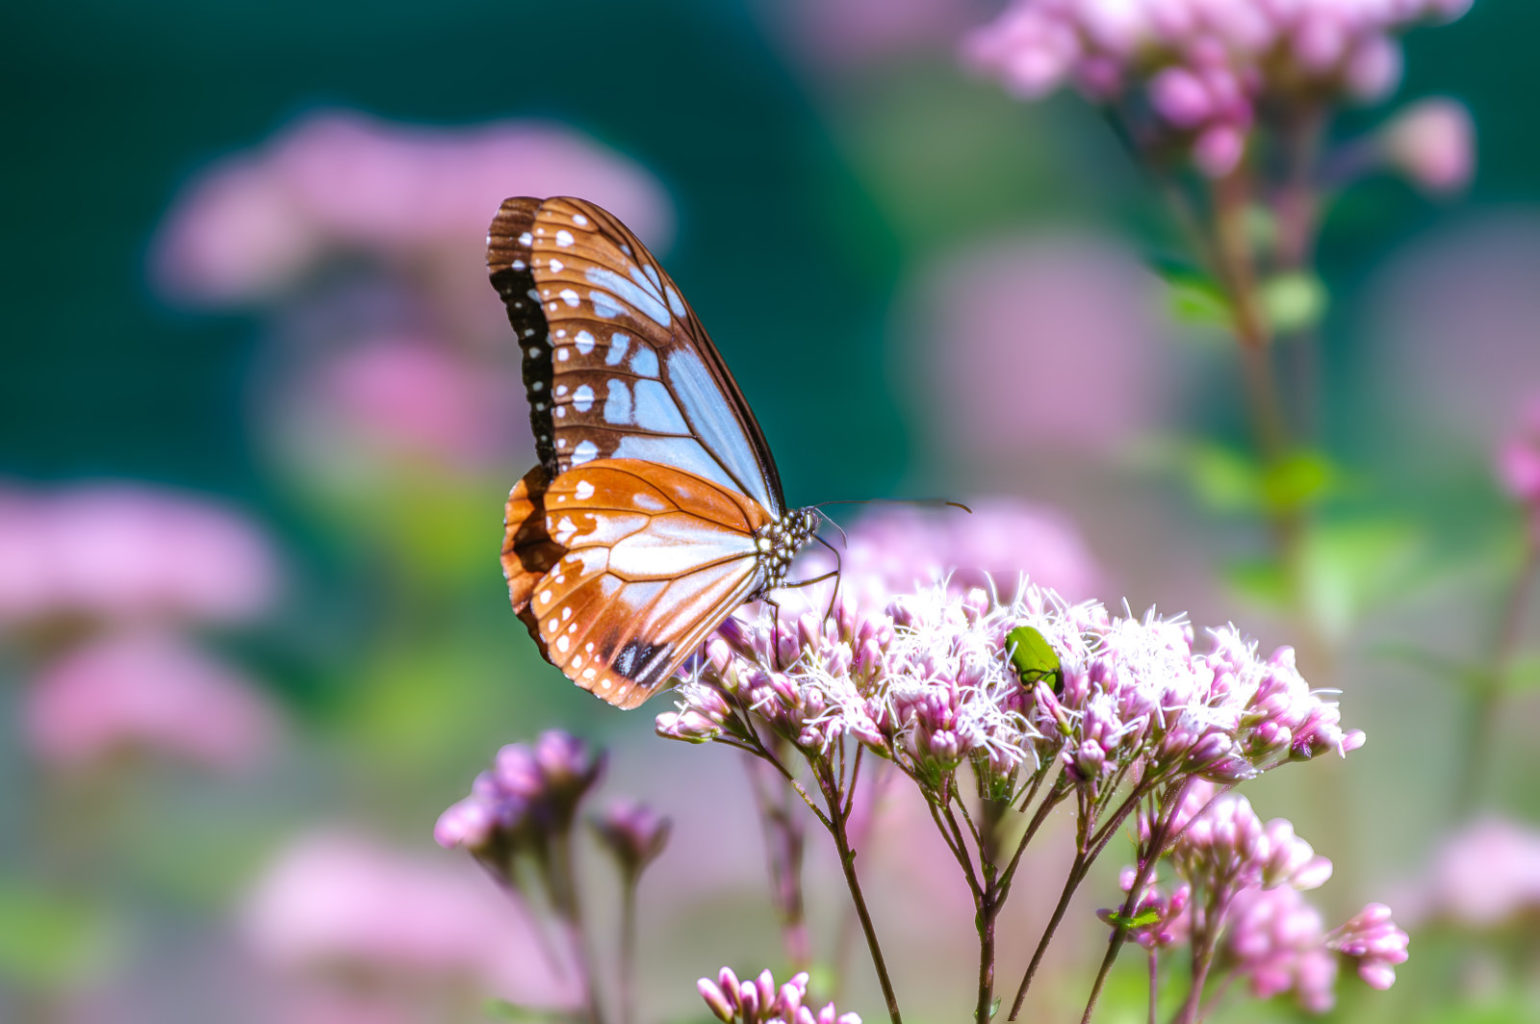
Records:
x=835, y=573
x=775, y=632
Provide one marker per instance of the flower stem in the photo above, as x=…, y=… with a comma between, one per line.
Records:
x=1154, y=984
x=1202, y=961
x=784, y=847
x=627, y=995
x=1077, y=872
x=1160, y=836
x=561, y=882
x=1485, y=716
x=837, y=823
x=989, y=903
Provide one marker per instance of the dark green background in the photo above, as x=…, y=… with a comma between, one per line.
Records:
x=782, y=245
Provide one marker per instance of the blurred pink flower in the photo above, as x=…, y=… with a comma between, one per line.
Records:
x=344, y=903
x=145, y=691
x=891, y=549
x=1039, y=345
x=1229, y=57
x=844, y=34
x=118, y=551
x=341, y=181
x=1432, y=143
x=1482, y=877
x=1452, y=322
x=1276, y=941
x=1518, y=459
x=406, y=398
x=1375, y=941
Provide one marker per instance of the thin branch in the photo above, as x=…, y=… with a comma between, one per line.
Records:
x=847, y=858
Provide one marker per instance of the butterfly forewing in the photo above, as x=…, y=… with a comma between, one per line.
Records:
x=620, y=568
x=616, y=365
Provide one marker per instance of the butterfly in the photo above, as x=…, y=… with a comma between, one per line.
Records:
x=656, y=507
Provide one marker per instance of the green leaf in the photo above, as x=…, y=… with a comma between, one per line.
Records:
x=1294, y=302
x=1440, y=667
x=1262, y=582
x=1033, y=656
x=1523, y=674
x=1350, y=567
x=46, y=938
x=1222, y=478
x=1298, y=481
x=502, y=1009
x=1198, y=301
x=1140, y=920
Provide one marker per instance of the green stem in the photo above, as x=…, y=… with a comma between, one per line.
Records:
x=1486, y=715
x=837, y=824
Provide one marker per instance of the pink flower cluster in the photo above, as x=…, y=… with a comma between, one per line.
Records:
x=1223, y=846
x=760, y=1001
x=892, y=549
x=529, y=792
x=1203, y=67
x=1485, y=876
x=928, y=682
x=402, y=396
x=341, y=182
x=1518, y=463
x=1239, y=894
x=1275, y=940
x=98, y=582
x=145, y=690
x=364, y=911
x=119, y=552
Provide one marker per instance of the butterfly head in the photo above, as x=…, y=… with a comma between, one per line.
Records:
x=780, y=540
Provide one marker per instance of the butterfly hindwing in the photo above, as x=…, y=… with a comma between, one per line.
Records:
x=620, y=568
x=616, y=365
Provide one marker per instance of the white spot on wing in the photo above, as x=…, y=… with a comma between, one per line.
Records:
x=583, y=398
x=645, y=362
x=585, y=451
x=584, y=490
x=674, y=301
x=585, y=342
x=641, y=299
x=655, y=409
x=605, y=307
x=564, y=238
x=570, y=297
x=618, y=345
x=617, y=403
x=703, y=404
x=580, y=220
x=674, y=543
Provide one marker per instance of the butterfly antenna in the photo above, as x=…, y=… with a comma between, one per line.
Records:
x=845, y=540
x=918, y=502
x=838, y=566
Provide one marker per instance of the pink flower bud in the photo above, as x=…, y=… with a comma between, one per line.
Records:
x=715, y=999
x=1180, y=97
x=1219, y=149
x=1432, y=143
x=1373, y=68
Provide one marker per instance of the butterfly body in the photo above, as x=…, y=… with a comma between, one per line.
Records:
x=656, y=508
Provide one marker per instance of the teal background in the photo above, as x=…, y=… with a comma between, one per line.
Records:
x=808, y=199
